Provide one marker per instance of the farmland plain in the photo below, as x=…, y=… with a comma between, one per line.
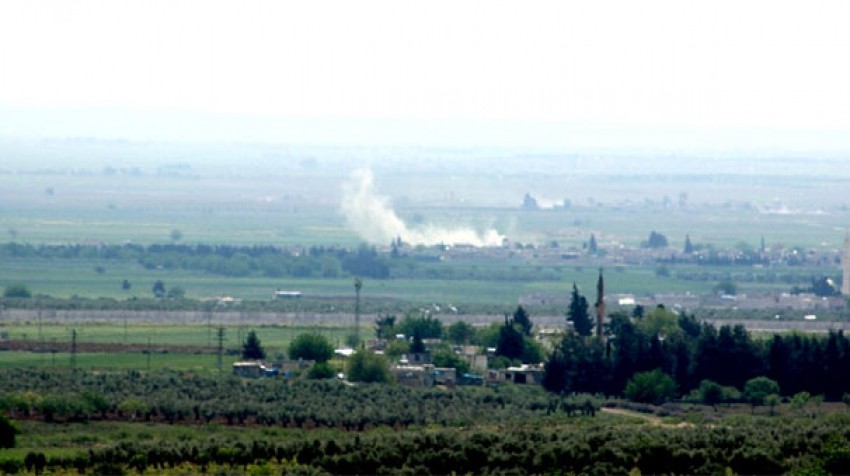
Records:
x=91, y=192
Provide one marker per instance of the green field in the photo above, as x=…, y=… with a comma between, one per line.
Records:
x=66, y=278
x=299, y=206
x=116, y=361
x=273, y=337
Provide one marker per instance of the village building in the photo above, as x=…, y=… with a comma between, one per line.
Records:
x=524, y=375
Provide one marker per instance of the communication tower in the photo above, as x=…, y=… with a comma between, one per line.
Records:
x=845, y=267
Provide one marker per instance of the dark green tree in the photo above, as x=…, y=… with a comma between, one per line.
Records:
x=158, y=289
x=521, y=319
x=779, y=362
x=416, y=344
x=311, y=346
x=511, y=341
x=689, y=324
x=365, y=366
x=445, y=358
x=592, y=247
x=578, y=313
x=654, y=387
x=757, y=389
x=710, y=393
x=627, y=344
x=824, y=287
x=638, y=312
x=460, y=333
x=321, y=371
x=17, y=291
x=689, y=247
x=385, y=327
x=427, y=326
x=577, y=365
x=532, y=352
x=8, y=430
x=726, y=286
x=656, y=240
x=175, y=292
x=252, y=348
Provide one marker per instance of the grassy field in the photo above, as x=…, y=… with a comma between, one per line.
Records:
x=294, y=205
x=117, y=361
x=300, y=206
x=272, y=337
x=66, y=278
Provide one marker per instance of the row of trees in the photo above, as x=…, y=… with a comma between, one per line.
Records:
x=690, y=352
x=778, y=446
x=173, y=397
x=223, y=260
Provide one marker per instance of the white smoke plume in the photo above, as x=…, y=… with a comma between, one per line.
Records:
x=371, y=216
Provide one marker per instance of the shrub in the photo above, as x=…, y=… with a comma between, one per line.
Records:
x=365, y=366
x=8, y=430
x=758, y=388
x=654, y=387
x=311, y=346
x=17, y=291
x=320, y=371
x=252, y=348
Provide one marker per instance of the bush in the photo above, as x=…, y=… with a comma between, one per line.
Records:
x=311, y=346
x=364, y=366
x=654, y=387
x=321, y=371
x=8, y=430
x=710, y=392
x=17, y=291
x=252, y=348
x=445, y=358
x=757, y=389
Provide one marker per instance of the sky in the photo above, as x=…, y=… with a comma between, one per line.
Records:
x=718, y=74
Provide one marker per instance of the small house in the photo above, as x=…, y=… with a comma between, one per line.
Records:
x=414, y=375
x=523, y=375
x=250, y=369
x=281, y=294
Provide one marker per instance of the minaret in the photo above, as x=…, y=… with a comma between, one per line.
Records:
x=600, y=304
x=845, y=265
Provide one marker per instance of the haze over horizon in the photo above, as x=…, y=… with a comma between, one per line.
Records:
x=712, y=78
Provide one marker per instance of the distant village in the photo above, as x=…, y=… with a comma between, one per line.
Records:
x=414, y=369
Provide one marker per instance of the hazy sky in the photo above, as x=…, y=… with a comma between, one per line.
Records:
x=700, y=67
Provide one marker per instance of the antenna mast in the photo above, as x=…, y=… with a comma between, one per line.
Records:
x=358, y=285
x=845, y=266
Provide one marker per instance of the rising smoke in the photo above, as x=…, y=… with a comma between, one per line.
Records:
x=371, y=216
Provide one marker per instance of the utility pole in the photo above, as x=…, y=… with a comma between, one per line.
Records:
x=73, y=348
x=845, y=267
x=209, y=328
x=148, y=352
x=220, y=348
x=40, y=334
x=358, y=285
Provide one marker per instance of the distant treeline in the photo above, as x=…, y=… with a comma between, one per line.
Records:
x=277, y=262
x=225, y=260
